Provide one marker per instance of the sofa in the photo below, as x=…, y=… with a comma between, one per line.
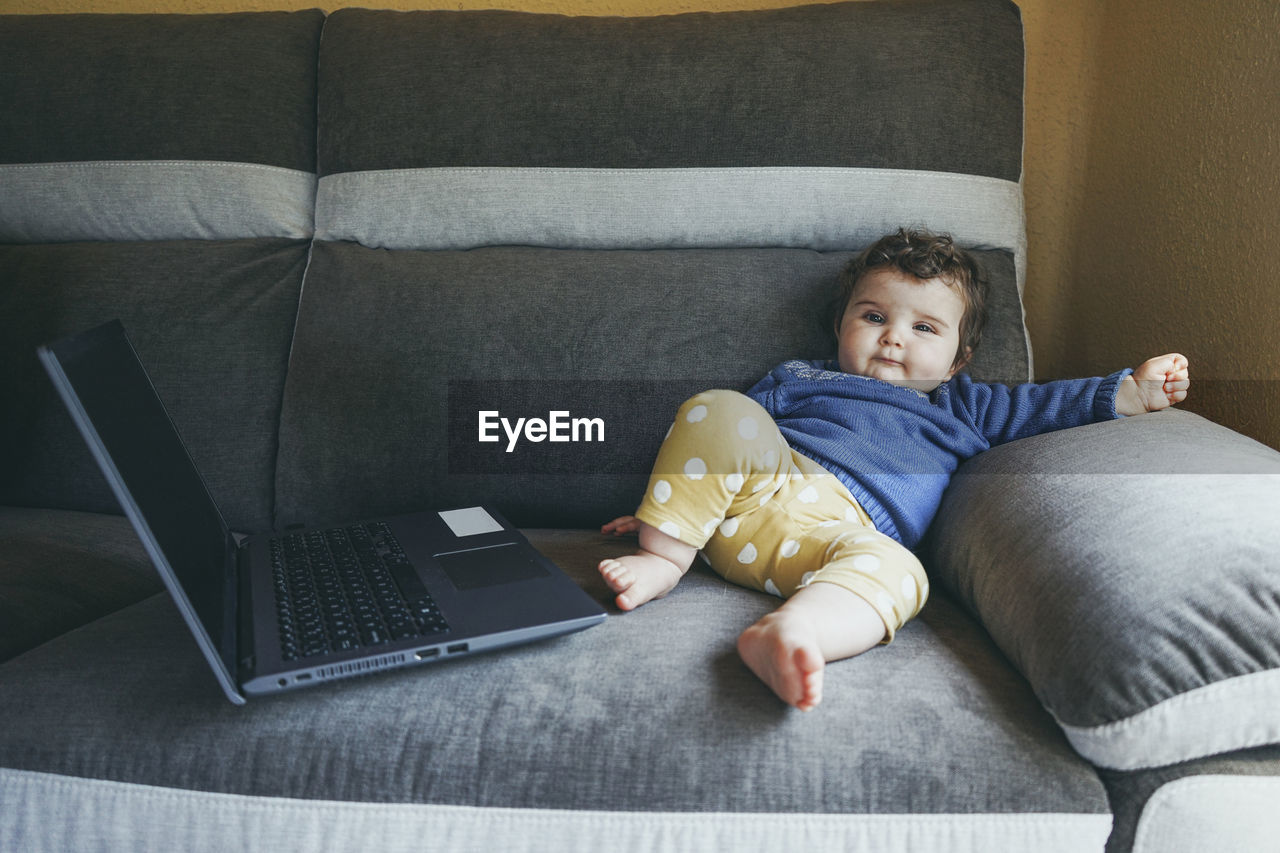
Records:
x=335, y=239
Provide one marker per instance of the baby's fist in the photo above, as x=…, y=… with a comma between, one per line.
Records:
x=1162, y=381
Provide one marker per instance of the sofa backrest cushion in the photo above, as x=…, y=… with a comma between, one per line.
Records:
x=553, y=213
x=159, y=169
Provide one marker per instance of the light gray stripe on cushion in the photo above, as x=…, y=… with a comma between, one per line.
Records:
x=47, y=812
x=1236, y=713
x=793, y=207
x=153, y=200
x=1197, y=813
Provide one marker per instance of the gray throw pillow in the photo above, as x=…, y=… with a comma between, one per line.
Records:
x=1131, y=571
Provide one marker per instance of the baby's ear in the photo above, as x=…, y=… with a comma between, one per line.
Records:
x=961, y=362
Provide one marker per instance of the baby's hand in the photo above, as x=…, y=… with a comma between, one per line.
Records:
x=620, y=526
x=1157, y=384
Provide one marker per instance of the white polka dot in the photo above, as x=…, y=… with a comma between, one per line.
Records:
x=710, y=527
x=695, y=469
x=809, y=495
x=831, y=523
x=662, y=491
x=763, y=484
x=909, y=590
x=885, y=602
x=734, y=483
x=729, y=527
x=789, y=548
x=766, y=497
x=770, y=458
x=748, y=554
x=868, y=563
x=851, y=514
x=696, y=414
x=863, y=537
x=772, y=588
x=807, y=579
x=748, y=428
x=670, y=528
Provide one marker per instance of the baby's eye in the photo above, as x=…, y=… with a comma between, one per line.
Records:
x=924, y=327
x=873, y=317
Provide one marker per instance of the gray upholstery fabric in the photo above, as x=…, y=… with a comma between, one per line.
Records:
x=212, y=323
x=60, y=570
x=152, y=200
x=934, y=723
x=1122, y=565
x=788, y=207
x=238, y=88
x=827, y=85
x=413, y=341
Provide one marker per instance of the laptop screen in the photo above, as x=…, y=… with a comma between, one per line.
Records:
x=130, y=433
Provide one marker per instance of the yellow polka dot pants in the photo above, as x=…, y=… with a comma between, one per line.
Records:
x=769, y=518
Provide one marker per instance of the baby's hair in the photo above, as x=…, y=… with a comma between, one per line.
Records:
x=925, y=255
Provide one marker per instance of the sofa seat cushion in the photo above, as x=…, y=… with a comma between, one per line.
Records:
x=60, y=570
x=651, y=711
x=1130, y=571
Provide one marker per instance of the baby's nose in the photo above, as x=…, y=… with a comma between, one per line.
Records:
x=891, y=335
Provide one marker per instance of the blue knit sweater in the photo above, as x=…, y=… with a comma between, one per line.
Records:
x=896, y=448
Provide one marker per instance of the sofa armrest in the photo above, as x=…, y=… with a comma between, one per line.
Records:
x=1131, y=571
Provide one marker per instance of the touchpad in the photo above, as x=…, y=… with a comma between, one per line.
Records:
x=481, y=567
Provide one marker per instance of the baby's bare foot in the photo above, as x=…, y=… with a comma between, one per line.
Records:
x=783, y=650
x=639, y=578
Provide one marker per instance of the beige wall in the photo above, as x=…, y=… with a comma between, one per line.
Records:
x=1152, y=179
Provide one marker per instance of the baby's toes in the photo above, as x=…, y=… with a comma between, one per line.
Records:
x=616, y=575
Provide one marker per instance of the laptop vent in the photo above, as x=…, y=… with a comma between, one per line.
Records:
x=361, y=666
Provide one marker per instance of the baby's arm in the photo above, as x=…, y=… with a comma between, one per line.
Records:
x=1157, y=384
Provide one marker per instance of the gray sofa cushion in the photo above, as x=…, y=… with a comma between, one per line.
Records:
x=936, y=724
x=158, y=169
x=212, y=323
x=439, y=89
x=691, y=240
x=61, y=570
x=418, y=343
x=157, y=127
x=235, y=88
x=1130, y=571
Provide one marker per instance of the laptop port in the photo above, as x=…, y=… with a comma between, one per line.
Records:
x=458, y=648
x=426, y=654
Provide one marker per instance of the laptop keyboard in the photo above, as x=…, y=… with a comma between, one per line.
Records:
x=347, y=588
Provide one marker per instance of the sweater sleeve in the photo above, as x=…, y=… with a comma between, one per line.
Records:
x=1001, y=414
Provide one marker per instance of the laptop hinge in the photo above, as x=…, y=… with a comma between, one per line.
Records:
x=245, y=659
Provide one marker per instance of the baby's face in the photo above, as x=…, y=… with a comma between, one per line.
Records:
x=902, y=330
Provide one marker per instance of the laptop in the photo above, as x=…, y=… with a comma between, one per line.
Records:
x=278, y=612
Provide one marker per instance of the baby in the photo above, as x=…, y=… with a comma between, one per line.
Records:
x=816, y=484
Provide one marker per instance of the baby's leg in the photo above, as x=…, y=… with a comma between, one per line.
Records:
x=722, y=457
x=788, y=649
x=868, y=586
